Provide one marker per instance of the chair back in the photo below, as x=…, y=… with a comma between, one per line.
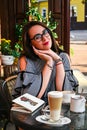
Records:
x=6, y=101
x=7, y=87
x=3, y=103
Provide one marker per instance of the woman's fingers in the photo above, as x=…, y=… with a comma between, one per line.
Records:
x=41, y=54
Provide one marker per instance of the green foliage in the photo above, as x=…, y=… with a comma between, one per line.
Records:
x=34, y=15
x=6, y=48
x=18, y=30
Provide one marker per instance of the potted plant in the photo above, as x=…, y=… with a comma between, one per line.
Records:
x=8, y=54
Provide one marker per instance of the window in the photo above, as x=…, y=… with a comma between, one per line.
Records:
x=73, y=11
x=44, y=13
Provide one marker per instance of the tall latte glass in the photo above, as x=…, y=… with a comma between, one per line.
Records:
x=55, y=104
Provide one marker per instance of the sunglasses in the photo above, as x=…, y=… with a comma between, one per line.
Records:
x=38, y=37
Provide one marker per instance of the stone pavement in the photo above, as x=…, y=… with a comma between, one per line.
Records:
x=78, y=42
x=79, y=59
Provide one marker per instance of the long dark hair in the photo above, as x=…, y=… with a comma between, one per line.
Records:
x=27, y=47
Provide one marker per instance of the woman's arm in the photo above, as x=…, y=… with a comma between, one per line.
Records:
x=47, y=70
x=46, y=74
x=60, y=74
x=61, y=67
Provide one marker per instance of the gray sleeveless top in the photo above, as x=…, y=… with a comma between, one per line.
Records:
x=32, y=78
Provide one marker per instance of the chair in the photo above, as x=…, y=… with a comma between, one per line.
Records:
x=82, y=81
x=2, y=102
x=9, y=70
x=6, y=101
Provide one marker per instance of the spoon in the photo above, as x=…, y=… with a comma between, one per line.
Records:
x=81, y=92
x=44, y=119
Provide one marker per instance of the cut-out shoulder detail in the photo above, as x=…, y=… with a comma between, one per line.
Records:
x=23, y=63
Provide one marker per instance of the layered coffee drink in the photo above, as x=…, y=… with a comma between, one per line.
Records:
x=55, y=103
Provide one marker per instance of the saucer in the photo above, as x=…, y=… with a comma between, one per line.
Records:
x=62, y=121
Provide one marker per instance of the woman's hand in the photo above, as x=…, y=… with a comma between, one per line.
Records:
x=43, y=54
x=47, y=53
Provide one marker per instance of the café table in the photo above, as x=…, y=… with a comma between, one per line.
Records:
x=27, y=121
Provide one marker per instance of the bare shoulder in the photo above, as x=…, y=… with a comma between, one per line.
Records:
x=23, y=63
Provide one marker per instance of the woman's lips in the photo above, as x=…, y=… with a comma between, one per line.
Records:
x=46, y=43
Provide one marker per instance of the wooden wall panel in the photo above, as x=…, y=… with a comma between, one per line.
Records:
x=4, y=19
x=56, y=6
x=20, y=10
x=60, y=11
x=13, y=11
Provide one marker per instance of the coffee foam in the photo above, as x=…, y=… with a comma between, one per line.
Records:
x=55, y=99
x=55, y=94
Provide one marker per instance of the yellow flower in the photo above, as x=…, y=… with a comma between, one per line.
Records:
x=5, y=41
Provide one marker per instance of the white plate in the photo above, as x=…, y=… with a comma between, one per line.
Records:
x=62, y=121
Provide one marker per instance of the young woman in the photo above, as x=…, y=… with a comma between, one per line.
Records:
x=42, y=67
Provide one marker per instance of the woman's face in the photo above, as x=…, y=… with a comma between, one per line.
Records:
x=40, y=38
